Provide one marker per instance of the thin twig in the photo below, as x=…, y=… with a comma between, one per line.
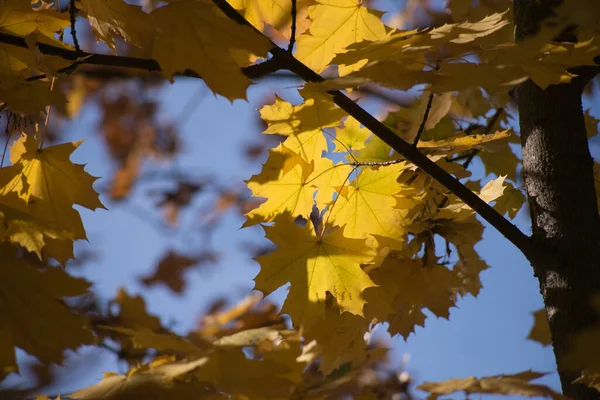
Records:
x=108, y=60
x=73, y=16
x=412, y=154
x=5, y=148
x=488, y=128
x=424, y=121
x=48, y=110
x=293, y=33
x=376, y=163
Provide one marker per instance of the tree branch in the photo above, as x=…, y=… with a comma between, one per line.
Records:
x=73, y=16
x=284, y=60
x=293, y=13
x=107, y=60
x=505, y=227
x=424, y=121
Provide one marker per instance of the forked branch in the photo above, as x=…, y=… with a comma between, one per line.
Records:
x=283, y=59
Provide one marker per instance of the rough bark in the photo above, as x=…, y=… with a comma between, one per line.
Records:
x=558, y=175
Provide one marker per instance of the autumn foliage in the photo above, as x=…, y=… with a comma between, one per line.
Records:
x=355, y=221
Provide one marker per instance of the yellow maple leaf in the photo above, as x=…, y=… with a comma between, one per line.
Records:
x=276, y=13
x=368, y=205
x=404, y=288
x=23, y=96
x=49, y=175
x=144, y=338
x=16, y=64
x=462, y=142
x=510, y=202
x=328, y=178
x=375, y=150
x=515, y=384
x=251, y=378
x=351, y=137
x=336, y=24
x=37, y=195
x=314, y=266
x=28, y=291
x=108, y=17
x=158, y=380
x=339, y=337
x=37, y=225
x=190, y=35
x=499, y=159
x=19, y=18
x=284, y=181
x=303, y=124
x=133, y=314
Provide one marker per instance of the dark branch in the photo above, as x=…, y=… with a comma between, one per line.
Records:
x=412, y=154
x=73, y=16
x=283, y=58
x=294, y=13
x=108, y=60
x=424, y=121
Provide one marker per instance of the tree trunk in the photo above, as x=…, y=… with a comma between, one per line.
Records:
x=558, y=175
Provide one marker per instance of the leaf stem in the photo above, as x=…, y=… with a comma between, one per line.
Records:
x=48, y=111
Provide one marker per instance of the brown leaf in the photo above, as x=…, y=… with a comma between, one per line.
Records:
x=540, y=331
x=171, y=267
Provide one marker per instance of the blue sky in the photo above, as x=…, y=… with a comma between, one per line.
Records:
x=484, y=336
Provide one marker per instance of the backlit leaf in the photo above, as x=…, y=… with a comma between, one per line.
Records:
x=314, y=266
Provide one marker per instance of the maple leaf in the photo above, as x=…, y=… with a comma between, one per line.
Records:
x=108, y=17
x=28, y=291
x=351, y=137
x=26, y=97
x=314, y=266
x=303, y=124
x=188, y=24
x=510, y=202
x=158, y=380
x=328, y=178
x=540, y=331
x=251, y=377
x=273, y=12
x=457, y=210
x=133, y=314
x=37, y=225
x=468, y=268
x=499, y=159
x=49, y=175
x=339, y=337
x=17, y=17
x=516, y=384
x=376, y=150
x=368, y=207
x=144, y=338
x=250, y=337
x=284, y=181
x=336, y=24
x=47, y=184
x=171, y=268
x=462, y=142
x=404, y=288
